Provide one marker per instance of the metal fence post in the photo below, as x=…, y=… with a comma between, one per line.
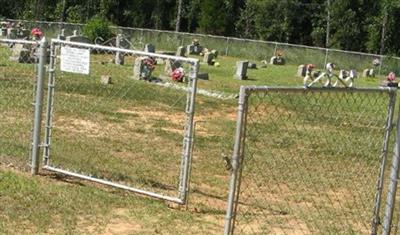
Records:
x=379, y=187
x=394, y=175
x=188, y=139
x=38, y=107
x=50, y=103
x=236, y=162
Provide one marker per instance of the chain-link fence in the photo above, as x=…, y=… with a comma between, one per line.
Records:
x=237, y=47
x=311, y=161
x=18, y=75
x=111, y=120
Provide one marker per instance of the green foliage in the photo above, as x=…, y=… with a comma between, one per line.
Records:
x=97, y=27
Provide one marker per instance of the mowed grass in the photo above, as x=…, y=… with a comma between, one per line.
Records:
x=131, y=132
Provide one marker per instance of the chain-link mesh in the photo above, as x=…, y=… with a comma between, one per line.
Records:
x=312, y=161
x=18, y=66
x=237, y=47
x=121, y=123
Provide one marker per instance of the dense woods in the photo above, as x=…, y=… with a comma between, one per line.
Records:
x=359, y=25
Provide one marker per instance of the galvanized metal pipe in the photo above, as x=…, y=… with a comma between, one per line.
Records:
x=188, y=139
x=229, y=217
x=379, y=187
x=394, y=175
x=38, y=107
x=105, y=182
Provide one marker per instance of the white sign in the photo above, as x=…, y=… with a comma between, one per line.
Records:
x=75, y=60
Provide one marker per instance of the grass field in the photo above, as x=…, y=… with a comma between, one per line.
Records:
x=131, y=132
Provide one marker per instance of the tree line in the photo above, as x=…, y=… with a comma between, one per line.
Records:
x=358, y=25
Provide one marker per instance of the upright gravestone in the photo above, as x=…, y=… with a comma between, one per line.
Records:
x=137, y=68
x=241, y=70
x=21, y=54
x=11, y=33
x=181, y=51
x=215, y=52
x=170, y=66
x=61, y=36
x=3, y=32
x=77, y=38
x=119, y=57
x=150, y=48
x=208, y=58
x=301, y=70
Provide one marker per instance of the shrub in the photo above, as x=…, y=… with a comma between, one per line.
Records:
x=97, y=27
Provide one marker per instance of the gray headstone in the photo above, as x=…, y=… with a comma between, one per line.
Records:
x=3, y=32
x=252, y=65
x=215, y=52
x=301, y=70
x=368, y=73
x=105, y=79
x=277, y=60
x=241, y=70
x=75, y=33
x=21, y=54
x=208, y=58
x=149, y=48
x=194, y=49
x=11, y=33
x=203, y=76
x=77, y=38
x=181, y=51
x=170, y=66
x=137, y=68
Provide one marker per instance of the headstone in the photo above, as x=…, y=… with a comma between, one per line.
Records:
x=353, y=73
x=252, y=65
x=301, y=70
x=368, y=73
x=23, y=33
x=11, y=33
x=160, y=61
x=137, y=68
x=277, y=60
x=241, y=70
x=264, y=64
x=119, y=57
x=202, y=76
x=194, y=49
x=61, y=36
x=149, y=48
x=170, y=66
x=78, y=38
x=141, y=69
x=105, y=79
x=343, y=74
x=215, y=52
x=3, y=32
x=75, y=33
x=208, y=58
x=181, y=51
x=21, y=54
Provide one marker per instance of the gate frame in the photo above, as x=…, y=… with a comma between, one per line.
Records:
x=239, y=150
x=188, y=132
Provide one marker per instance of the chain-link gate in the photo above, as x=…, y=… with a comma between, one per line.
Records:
x=119, y=125
x=312, y=161
x=19, y=67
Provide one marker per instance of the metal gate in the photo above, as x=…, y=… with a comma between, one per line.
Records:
x=312, y=161
x=109, y=128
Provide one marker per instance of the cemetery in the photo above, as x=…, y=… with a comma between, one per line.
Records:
x=124, y=120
